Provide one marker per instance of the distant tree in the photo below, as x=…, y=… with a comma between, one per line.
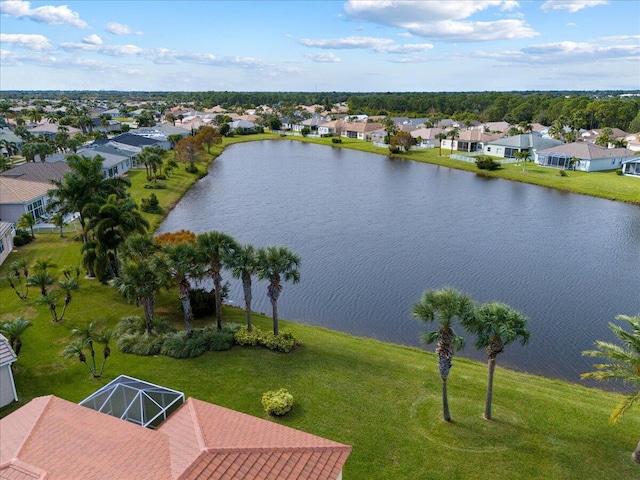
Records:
x=209, y=136
x=390, y=128
x=243, y=265
x=174, y=139
x=27, y=221
x=190, y=150
x=441, y=136
x=453, y=133
x=403, y=140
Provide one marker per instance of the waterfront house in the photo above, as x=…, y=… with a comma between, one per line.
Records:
x=631, y=167
x=508, y=147
x=588, y=157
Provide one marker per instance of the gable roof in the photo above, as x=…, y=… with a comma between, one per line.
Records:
x=198, y=441
x=17, y=191
x=588, y=151
x=38, y=171
x=7, y=355
x=526, y=141
x=134, y=140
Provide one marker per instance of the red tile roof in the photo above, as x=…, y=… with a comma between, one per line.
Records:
x=55, y=439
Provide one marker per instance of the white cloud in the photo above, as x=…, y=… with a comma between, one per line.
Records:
x=572, y=52
x=92, y=40
x=443, y=21
x=379, y=45
x=112, y=50
x=572, y=6
x=327, y=57
x=48, y=14
x=30, y=41
x=120, y=29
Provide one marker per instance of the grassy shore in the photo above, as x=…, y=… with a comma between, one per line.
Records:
x=383, y=399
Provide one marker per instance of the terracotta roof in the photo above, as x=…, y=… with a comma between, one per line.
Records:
x=7, y=355
x=17, y=191
x=198, y=441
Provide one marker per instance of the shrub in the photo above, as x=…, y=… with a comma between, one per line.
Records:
x=151, y=204
x=277, y=403
x=191, y=169
x=135, y=324
x=484, y=162
x=22, y=237
x=252, y=338
x=283, y=342
x=215, y=340
x=203, y=302
x=160, y=176
x=336, y=140
x=563, y=173
x=394, y=149
x=157, y=185
x=140, y=343
x=177, y=345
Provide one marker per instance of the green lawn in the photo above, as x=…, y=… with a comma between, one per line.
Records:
x=382, y=399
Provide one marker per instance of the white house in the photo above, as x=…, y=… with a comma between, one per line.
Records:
x=7, y=233
x=8, y=391
x=22, y=196
x=631, y=167
x=589, y=157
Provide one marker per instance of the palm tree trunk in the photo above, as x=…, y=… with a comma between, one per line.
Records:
x=636, y=454
x=487, y=405
x=148, y=309
x=218, y=293
x=246, y=285
x=186, y=309
x=274, y=305
x=445, y=401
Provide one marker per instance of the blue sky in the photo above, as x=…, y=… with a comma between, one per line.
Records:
x=353, y=45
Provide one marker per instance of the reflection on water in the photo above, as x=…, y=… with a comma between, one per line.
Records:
x=374, y=233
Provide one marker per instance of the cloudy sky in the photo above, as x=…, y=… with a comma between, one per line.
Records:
x=354, y=45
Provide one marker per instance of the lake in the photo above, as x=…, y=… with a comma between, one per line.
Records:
x=374, y=233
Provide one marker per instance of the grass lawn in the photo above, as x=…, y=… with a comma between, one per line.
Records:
x=383, y=399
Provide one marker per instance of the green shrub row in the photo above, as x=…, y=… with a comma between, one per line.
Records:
x=256, y=337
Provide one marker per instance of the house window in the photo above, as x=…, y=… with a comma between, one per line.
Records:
x=510, y=152
x=488, y=149
x=2, y=246
x=36, y=208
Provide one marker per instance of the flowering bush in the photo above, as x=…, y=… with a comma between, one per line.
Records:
x=277, y=403
x=256, y=337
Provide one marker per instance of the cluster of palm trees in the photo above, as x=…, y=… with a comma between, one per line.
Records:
x=494, y=324
x=170, y=260
x=107, y=213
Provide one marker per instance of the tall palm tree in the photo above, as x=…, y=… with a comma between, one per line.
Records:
x=13, y=330
x=622, y=363
x=453, y=133
x=182, y=264
x=18, y=270
x=444, y=306
x=216, y=248
x=243, y=265
x=441, y=136
x=276, y=264
x=85, y=337
x=496, y=325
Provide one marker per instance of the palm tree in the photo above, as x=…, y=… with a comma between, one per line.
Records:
x=67, y=285
x=523, y=156
x=441, y=136
x=27, y=221
x=13, y=330
x=86, y=336
x=453, y=133
x=496, y=325
x=277, y=263
x=623, y=363
x=19, y=269
x=216, y=249
x=182, y=263
x=243, y=265
x=58, y=220
x=444, y=307
x=41, y=279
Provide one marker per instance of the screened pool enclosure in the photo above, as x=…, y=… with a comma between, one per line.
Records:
x=136, y=401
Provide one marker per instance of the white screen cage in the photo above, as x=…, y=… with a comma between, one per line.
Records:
x=135, y=401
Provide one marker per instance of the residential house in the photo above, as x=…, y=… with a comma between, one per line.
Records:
x=588, y=157
x=496, y=127
x=508, y=147
x=58, y=440
x=116, y=161
x=360, y=130
x=49, y=130
x=18, y=196
x=631, y=167
x=312, y=123
x=8, y=391
x=7, y=232
x=593, y=135
x=427, y=137
x=138, y=142
x=38, y=171
x=470, y=140
x=7, y=135
x=245, y=126
x=333, y=127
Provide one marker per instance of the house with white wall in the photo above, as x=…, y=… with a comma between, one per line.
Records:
x=8, y=392
x=588, y=157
